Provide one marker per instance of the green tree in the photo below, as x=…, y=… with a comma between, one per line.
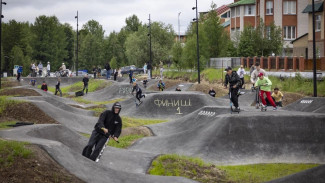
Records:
x=113, y=63
x=69, y=38
x=247, y=45
x=177, y=55
x=132, y=24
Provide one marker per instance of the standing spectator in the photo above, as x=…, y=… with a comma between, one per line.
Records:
x=131, y=75
x=161, y=66
x=40, y=67
x=108, y=70
x=63, y=67
x=44, y=86
x=115, y=74
x=241, y=72
x=57, y=87
x=149, y=67
x=278, y=97
x=95, y=72
x=145, y=67
x=252, y=68
x=85, y=80
x=33, y=70
x=48, y=68
x=19, y=71
x=99, y=71
x=265, y=85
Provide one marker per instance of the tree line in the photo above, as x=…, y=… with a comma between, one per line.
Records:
x=48, y=40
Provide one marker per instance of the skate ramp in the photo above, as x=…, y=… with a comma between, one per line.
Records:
x=314, y=175
x=59, y=143
x=117, y=90
x=182, y=86
x=168, y=105
x=308, y=104
x=51, y=81
x=247, y=138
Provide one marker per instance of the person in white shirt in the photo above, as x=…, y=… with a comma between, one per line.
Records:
x=241, y=73
x=145, y=68
x=48, y=68
x=256, y=72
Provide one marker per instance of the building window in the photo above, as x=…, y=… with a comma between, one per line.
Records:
x=238, y=11
x=318, y=22
x=268, y=32
x=289, y=7
x=269, y=7
x=289, y=32
x=249, y=10
x=233, y=12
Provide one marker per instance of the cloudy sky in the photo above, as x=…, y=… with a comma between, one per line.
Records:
x=111, y=14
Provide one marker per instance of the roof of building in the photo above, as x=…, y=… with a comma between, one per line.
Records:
x=225, y=24
x=222, y=9
x=299, y=38
x=318, y=8
x=242, y=2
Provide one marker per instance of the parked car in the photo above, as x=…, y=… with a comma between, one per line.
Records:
x=126, y=70
x=103, y=72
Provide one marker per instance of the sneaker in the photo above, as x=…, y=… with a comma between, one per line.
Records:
x=257, y=106
x=275, y=108
x=144, y=96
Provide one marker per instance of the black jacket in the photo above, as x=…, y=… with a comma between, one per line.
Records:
x=136, y=88
x=57, y=86
x=212, y=93
x=111, y=121
x=85, y=80
x=149, y=66
x=107, y=67
x=233, y=79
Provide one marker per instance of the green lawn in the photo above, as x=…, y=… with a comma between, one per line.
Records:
x=134, y=122
x=175, y=165
x=4, y=125
x=5, y=102
x=125, y=141
x=9, y=150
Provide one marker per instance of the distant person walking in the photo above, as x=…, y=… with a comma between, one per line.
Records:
x=48, y=68
x=57, y=87
x=161, y=66
x=149, y=67
x=265, y=85
x=241, y=72
x=108, y=70
x=145, y=68
x=85, y=81
x=40, y=67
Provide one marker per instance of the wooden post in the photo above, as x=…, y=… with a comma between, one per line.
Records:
x=262, y=62
x=247, y=61
x=301, y=64
x=285, y=63
x=277, y=60
x=294, y=64
x=254, y=60
x=269, y=63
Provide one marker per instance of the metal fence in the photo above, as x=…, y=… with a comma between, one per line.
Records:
x=219, y=63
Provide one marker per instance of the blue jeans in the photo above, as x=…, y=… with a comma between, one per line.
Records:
x=108, y=74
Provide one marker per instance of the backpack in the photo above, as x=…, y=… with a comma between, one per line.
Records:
x=79, y=93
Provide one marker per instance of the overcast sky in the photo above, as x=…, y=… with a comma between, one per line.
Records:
x=110, y=14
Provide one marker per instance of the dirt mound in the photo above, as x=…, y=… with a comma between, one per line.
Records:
x=205, y=87
x=141, y=130
x=40, y=167
x=10, y=83
x=21, y=92
x=27, y=112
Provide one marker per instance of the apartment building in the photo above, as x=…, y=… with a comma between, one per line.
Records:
x=288, y=14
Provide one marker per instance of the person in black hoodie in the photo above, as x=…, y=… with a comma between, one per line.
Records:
x=234, y=83
x=138, y=91
x=57, y=87
x=212, y=93
x=108, y=70
x=85, y=80
x=109, y=125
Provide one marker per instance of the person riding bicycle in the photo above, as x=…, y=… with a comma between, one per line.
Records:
x=234, y=83
x=265, y=84
x=254, y=78
x=161, y=85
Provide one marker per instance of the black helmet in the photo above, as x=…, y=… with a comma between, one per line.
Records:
x=117, y=105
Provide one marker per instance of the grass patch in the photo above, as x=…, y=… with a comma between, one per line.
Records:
x=125, y=141
x=85, y=134
x=9, y=150
x=262, y=172
x=196, y=169
x=213, y=75
x=5, y=102
x=85, y=101
x=4, y=125
x=134, y=122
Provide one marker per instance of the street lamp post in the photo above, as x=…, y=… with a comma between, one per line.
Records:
x=179, y=30
x=197, y=41
x=150, y=52
x=77, y=52
x=314, y=50
x=2, y=3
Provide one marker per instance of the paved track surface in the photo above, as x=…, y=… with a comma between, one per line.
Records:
x=199, y=126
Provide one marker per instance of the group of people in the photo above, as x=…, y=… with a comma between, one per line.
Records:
x=38, y=69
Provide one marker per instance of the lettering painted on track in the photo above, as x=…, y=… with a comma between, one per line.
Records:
x=306, y=101
x=124, y=90
x=172, y=103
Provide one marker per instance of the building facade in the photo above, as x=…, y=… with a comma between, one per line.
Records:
x=287, y=14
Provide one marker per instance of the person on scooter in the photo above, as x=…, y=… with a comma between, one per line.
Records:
x=234, y=84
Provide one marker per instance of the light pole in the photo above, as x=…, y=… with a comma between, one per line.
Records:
x=150, y=53
x=197, y=41
x=77, y=17
x=179, y=30
x=314, y=50
x=2, y=3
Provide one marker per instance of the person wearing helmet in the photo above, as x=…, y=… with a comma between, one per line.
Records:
x=265, y=85
x=109, y=125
